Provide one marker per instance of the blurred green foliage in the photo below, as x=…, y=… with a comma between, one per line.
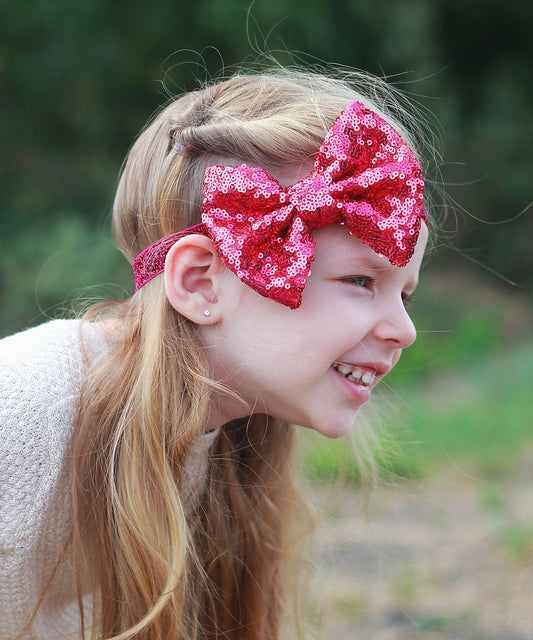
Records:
x=476, y=419
x=79, y=79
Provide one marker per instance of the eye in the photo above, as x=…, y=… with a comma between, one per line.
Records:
x=360, y=281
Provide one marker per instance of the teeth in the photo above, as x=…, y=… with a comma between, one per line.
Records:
x=345, y=369
x=354, y=374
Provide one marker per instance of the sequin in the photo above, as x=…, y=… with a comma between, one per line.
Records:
x=364, y=177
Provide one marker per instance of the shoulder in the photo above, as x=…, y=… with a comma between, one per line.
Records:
x=41, y=371
x=38, y=367
x=55, y=338
x=47, y=358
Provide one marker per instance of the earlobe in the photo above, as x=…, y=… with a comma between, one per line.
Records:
x=193, y=271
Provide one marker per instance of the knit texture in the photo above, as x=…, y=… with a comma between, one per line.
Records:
x=41, y=371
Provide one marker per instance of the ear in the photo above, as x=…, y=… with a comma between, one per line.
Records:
x=193, y=273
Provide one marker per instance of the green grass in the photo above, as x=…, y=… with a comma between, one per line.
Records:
x=517, y=540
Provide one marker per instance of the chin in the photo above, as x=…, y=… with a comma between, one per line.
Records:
x=335, y=429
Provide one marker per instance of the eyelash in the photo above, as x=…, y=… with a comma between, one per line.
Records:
x=368, y=283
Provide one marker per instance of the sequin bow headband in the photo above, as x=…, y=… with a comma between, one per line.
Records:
x=365, y=177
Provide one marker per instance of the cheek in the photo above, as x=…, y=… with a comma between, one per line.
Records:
x=248, y=339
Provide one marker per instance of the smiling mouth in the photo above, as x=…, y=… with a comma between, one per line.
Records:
x=355, y=374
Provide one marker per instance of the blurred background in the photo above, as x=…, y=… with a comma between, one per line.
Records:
x=80, y=78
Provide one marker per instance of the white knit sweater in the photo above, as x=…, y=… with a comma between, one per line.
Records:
x=40, y=376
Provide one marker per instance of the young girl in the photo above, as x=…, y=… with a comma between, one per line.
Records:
x=276, y=227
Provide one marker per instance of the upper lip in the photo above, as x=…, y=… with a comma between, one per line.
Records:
x=378, y=368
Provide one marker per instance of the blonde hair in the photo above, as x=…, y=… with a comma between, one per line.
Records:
x=156, y=567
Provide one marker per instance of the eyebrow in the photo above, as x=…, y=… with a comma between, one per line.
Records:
x=372, y=261
x=375, y=262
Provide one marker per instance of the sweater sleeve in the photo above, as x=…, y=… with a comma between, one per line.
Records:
x=39, y=385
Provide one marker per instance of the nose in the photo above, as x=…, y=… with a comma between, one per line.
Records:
x=396, y=326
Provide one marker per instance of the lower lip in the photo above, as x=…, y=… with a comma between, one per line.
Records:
x=358, y=392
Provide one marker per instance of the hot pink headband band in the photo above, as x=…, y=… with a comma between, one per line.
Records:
x=364, y=177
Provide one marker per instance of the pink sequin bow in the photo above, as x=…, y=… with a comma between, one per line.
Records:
x=365, y=177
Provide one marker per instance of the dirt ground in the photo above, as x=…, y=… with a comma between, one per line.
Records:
x=446, y=558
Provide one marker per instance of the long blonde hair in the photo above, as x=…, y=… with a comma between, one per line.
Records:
x=153, y=565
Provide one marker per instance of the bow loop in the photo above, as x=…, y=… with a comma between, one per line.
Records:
x=258, y=232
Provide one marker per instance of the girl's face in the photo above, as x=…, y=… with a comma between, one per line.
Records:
x=317, y=365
